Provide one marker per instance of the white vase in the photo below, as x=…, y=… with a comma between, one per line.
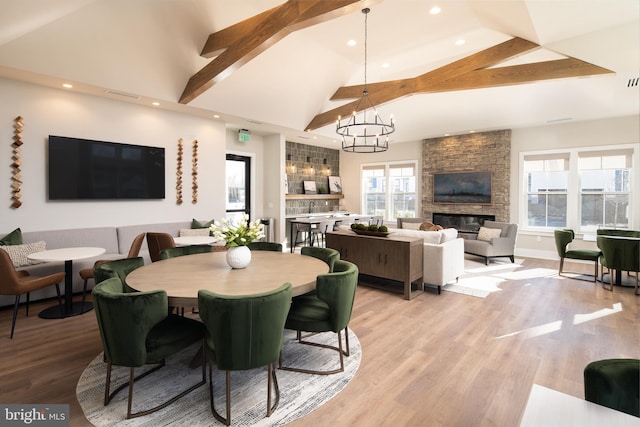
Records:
x=238, y=256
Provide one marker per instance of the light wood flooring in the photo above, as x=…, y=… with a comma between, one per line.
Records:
x=438, y=360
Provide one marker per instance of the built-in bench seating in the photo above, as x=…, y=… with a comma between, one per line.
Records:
x=115, y=240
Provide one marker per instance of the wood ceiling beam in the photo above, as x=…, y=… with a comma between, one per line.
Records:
x=240, y=43
x=471, y=72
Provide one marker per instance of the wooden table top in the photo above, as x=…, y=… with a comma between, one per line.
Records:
x=182, y=277
x=66, y=254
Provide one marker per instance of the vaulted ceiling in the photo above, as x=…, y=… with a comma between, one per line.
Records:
x=285, y=66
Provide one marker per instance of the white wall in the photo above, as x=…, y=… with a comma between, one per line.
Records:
x=59, y=112
x=622, y=130
x=615, y=131
x=350, y=170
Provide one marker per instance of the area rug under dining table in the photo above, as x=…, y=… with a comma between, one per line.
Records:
x=300, y=393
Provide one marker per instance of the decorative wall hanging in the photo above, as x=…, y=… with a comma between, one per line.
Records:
x=16, y=178
x=179, y=174
x=194, y=172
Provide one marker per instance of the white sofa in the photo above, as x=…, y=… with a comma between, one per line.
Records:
x=115, y=240
x=443, y=254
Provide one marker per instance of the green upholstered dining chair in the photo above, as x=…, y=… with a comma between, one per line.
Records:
x=136, y=330
x=19, y=282
x=87, y=273
x=265, y=246
x=614, y=383
x=244, y=332
x=328, y=310
x=619, y=254
x=328, y=255
x=119, y=268
x=565, y=236
x=185, y=250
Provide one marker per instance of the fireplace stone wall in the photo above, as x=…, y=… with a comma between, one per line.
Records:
x=477, y=152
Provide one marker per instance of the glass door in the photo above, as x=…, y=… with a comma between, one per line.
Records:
x=238, y=188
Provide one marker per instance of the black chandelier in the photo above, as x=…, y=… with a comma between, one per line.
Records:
x=366, y=134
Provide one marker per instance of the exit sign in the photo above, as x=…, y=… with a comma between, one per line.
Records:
x=244, y=135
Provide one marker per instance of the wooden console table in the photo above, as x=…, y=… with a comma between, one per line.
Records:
x=395, y=258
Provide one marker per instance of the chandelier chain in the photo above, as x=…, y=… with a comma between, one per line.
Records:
x=367, y=134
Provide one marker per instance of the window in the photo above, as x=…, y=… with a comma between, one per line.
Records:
x=581, y=189
x=604, y=188
x=389, y=190
x=547, y=187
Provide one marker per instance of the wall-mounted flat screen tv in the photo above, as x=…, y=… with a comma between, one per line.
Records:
x=82, y=169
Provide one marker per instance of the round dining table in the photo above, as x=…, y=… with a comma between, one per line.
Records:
x=68, y=255
x=182, y=277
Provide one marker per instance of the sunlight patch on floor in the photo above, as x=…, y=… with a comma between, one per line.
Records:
x=535, y=331
x=581, y=318
x=528, y=274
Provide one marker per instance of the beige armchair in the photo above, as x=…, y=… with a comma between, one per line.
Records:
x=487, y=246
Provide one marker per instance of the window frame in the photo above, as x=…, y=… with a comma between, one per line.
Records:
x=389, y=193
x=574, y=190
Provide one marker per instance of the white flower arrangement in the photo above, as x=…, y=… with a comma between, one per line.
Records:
x=240, y=234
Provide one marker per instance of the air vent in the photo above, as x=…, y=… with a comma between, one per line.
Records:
x=123, y=94
x=303, y=137
x=633, y=82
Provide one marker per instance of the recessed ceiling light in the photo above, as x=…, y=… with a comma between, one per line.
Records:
x=67, y=85
x=351, y=43
x=460, y=42
x=385, y=65
x=435, y=10
x=155, y=103
x=472, y=131
x=216, y=116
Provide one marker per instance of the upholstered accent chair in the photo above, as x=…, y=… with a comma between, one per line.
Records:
x=614, y=383
x=327, y=310
x=489, y=245
x=565, y=236
x=265, y=246
x=157, y=242
x=185, y=250
x=136, y=330
x=87, y=273
x=244, y=332
x=18, y=283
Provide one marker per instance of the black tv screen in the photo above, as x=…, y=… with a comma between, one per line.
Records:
x=82, y=169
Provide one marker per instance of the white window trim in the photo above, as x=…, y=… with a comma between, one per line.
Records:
x=387, y=166
x=573, y=208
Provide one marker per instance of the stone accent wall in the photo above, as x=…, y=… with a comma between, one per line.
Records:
x=298, y=170
x=478, y=152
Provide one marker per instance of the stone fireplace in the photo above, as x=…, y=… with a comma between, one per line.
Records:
x=478, y=152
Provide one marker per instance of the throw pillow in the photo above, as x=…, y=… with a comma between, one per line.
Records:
x=19, y=253
x=201, y=224
x=487, y=234
x=426, y=226
x=186, y=232
x=411, y=225
x=13, y=238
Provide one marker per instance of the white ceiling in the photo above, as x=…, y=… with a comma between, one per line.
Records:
x=150, y=48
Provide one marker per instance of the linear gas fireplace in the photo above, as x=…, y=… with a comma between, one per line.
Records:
x=461, y=222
